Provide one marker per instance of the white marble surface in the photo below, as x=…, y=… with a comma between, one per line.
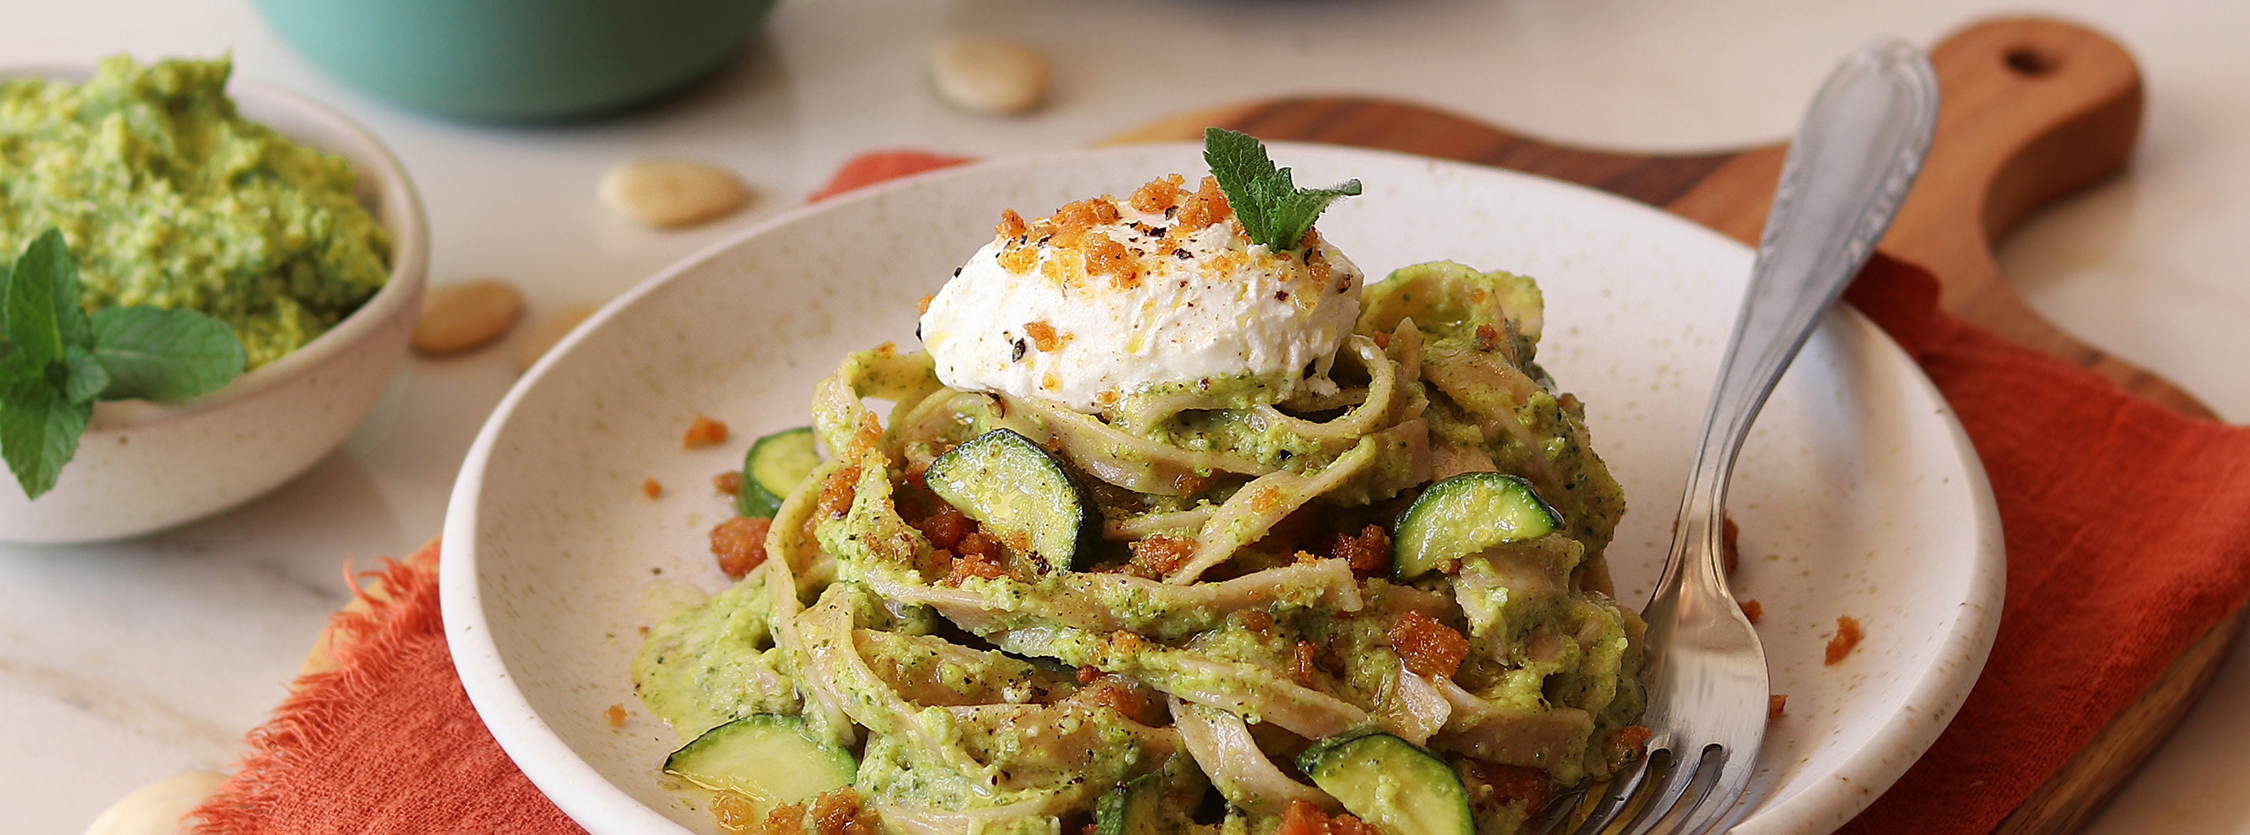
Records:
x=123, y=663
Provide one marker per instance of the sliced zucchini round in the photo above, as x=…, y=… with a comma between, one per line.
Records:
x=776, y=464
x=768, y=757
x=1023, y=495
x=1463, y=515
x=1136, y=808
x=1390, y=784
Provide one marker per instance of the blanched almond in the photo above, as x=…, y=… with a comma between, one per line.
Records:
x=458, y=317
x=988, y=75
x=670, y=193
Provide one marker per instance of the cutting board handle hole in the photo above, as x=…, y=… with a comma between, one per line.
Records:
x=2030, y=61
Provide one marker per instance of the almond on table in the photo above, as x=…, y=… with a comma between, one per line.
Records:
x=988, y=75
x=672, y=193
x=467, y=315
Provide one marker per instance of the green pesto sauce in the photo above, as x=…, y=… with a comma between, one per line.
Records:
x=169, y=199
x=714, y=663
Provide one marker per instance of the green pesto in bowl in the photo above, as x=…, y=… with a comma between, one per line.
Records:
x=170, y=199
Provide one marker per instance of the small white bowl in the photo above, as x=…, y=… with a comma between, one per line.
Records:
x=143, y=467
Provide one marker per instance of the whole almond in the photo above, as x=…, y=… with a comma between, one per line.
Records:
x=156, y=808
x=458, y=317
x=541, y=337
x=988, y=75
x=670, y=193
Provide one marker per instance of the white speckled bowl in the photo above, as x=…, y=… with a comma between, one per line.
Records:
x=143, y=467
x=1858, y=494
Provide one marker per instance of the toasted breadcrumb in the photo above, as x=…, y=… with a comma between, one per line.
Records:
x=945, y=527
x=1368, y=554
x=615, y=716
x=1011, y=225
x=651, y=488
x=1207, y=206
x=841, y=812
x=979, y=559
x=785, y=819
x=1775, y=704
x=1426, y=646
x=1730, y=535
x=1303, y=818
x=1628, y=744
x=1301, y=663
x=1159, y=556
x=739, y=544
x=1753, y=611
x=1847, y=636
x=1266, y=499
x=735, y=813
x=704, y=432
x=1492, y=785
x=1259, y=621
x=1115, y=693
x=727, y=483
x=1160, y=194
x=1487, y=340
x=1124, y=641
x=836, y=494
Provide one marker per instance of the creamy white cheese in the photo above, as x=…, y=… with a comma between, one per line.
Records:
x=1205, y=306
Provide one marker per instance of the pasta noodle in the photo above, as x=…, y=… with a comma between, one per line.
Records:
x=1219, y=623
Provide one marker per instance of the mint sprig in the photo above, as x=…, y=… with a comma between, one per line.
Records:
x=1272, y=208
x=56, y=361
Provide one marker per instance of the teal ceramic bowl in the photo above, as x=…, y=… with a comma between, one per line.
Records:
x=516, y=60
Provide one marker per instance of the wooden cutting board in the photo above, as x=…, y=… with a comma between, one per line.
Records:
x=2032, y=111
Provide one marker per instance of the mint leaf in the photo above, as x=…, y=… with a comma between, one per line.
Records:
x=49, y=376
x=1297, y=211
x=39, y=428
x=43, y=316
x=5, y=272
x=21, y=379
x=85, y=376
x=164, y=355
x=1273, y=210
x=1239, y=162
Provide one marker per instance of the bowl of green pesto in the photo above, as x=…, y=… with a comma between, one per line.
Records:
x=177, y=187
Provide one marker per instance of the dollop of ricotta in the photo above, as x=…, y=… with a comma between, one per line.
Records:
x=1109, y=298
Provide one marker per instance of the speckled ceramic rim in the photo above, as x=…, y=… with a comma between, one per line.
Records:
x=589, y=798
x=381, y=175
x=1968, y=643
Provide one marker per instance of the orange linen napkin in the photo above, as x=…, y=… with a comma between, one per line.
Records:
x=2128, y=532
x=385, y=743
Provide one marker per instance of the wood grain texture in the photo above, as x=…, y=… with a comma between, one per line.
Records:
x=2031, y=111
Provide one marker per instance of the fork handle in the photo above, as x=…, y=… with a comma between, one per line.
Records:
x=1860, y=145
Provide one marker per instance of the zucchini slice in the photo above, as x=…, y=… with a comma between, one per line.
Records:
x=1459, y=516
x=768, y=757
x=1023, y=495
x=1135, y=808
x=1390, y=783
x=776, y=464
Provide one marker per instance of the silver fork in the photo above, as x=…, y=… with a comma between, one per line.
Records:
x=1858, y=150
